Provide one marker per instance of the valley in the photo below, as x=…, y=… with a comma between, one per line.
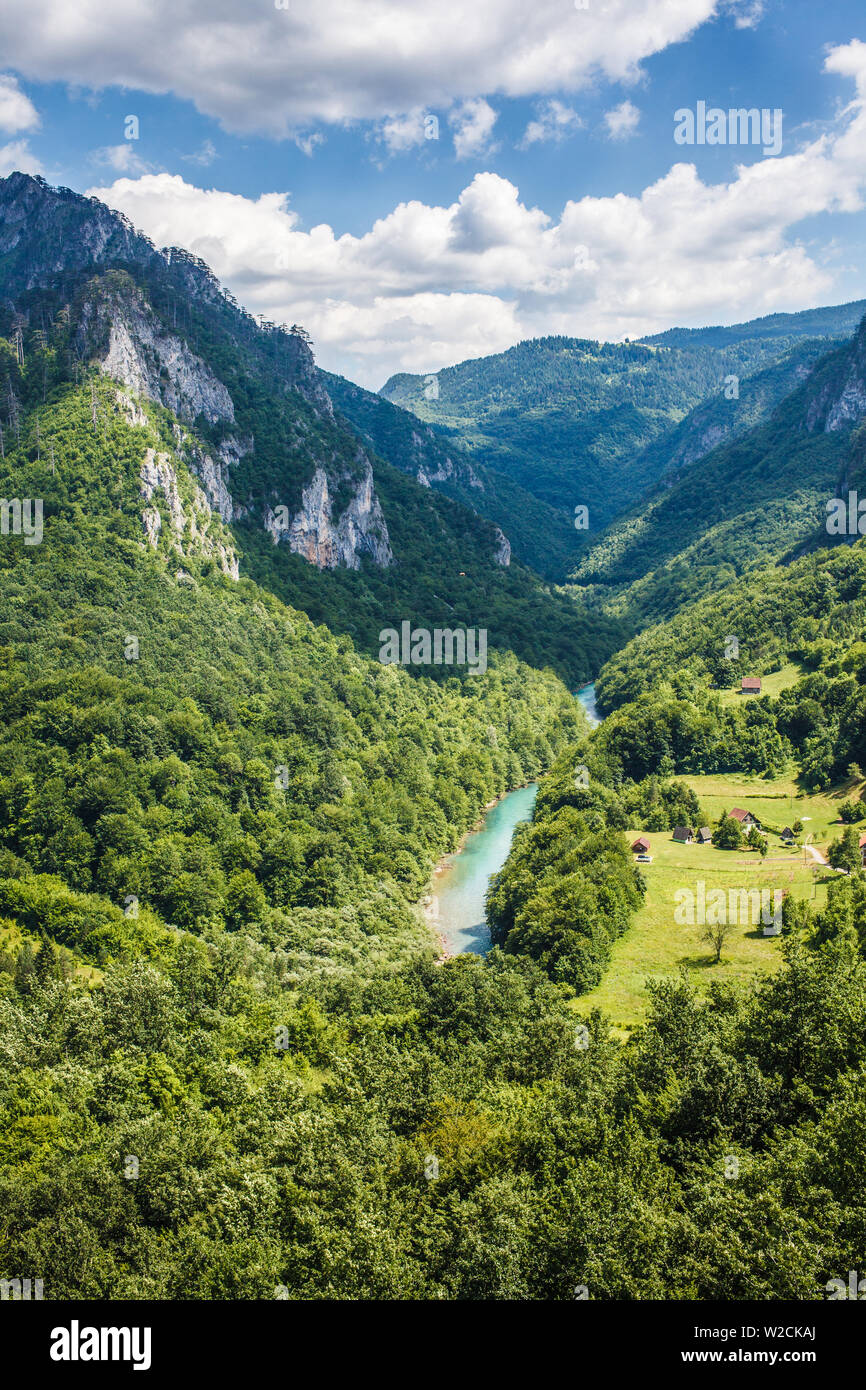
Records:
x=222, y=808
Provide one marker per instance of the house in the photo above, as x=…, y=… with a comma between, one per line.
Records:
x=863, y=850
x=750, y=685
x=641, y=845
x=788, y=835
x=683, y=835
x=744, y=817
x=704, y=835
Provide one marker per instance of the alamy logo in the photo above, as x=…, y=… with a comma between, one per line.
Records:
x=846, y=518
x=76, y=1343
x=838, y=1289
x=740, y=126
x=418, y=647
x=20, y=1290
x=22, y=517
x=736, y=907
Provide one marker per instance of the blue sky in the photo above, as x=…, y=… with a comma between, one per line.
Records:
x=287, y=147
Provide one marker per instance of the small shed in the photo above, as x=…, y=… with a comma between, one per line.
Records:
x=705, y=835
x=788, y=835
x=641, y=845
x=751, y=685
x=683, y=835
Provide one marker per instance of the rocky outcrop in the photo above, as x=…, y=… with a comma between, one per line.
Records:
x=312, y=532
x=190, y=527
x=503, y=547
x=841, y=399
x=213, y=472
x=151, y=362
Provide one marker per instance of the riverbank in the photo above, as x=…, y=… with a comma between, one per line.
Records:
x=454, y=907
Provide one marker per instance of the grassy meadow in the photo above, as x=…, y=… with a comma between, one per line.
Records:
x=656, y=945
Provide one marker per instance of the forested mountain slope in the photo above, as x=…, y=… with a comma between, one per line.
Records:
x=745, y=503
x=539, y=535
x=179, y=738
x=572, y=420
x=315, y=514
x=231, y=1067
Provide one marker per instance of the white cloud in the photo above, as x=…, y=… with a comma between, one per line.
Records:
x=121, y=158
x=257, y=68
x=17, y=111
x=622, y=121
x=429, y=285
x=747, y=13
x=18, y=155
x=307, y=143
x=403, y=132
x=473, y=123
x=554, y=121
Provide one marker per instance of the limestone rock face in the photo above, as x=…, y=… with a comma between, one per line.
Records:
x=503, y=548
x=842, y=400
x=153, y=363
x=360, y=529
x=190, y=526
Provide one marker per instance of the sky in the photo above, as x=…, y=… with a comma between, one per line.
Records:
x=418, y=183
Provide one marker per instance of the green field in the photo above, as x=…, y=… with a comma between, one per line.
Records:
x=772, y=684
x=656, y=945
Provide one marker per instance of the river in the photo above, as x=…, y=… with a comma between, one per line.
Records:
x=460, y=887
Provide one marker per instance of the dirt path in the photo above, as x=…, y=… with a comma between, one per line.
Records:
x=816, y=854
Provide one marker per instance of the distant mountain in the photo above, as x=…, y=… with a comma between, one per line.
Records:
x=835, y=321
x=577, y=422
x=757, y=498
x=538, y=534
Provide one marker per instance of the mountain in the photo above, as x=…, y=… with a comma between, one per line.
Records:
x=754, y=499
x=312, y=511
x=182, y=750
x=539, y=535
x=571, y=420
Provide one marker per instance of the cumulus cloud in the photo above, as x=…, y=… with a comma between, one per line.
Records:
x=403, y=132
x=17, y=111
x=259, y=68
x=554, y=121
x=18, y=155
x=622, y=121
x=473, y=124
x=429, y=285
x=121, y=158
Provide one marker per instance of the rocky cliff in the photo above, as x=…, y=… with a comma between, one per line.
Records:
x=158, y=324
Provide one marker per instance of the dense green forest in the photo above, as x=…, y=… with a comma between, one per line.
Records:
x=576, y=422
x=184, y=739
x=541, y=536
x=761, y=497
x=194, y=1129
